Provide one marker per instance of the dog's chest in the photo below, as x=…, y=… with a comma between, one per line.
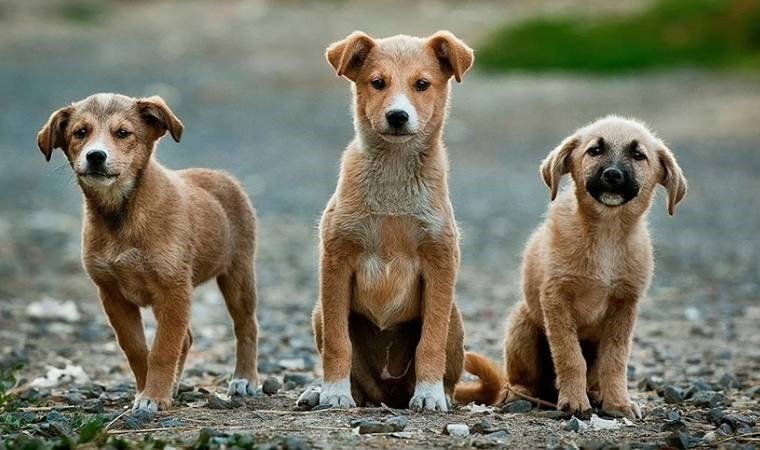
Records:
x=129, y=269
x=387, y=288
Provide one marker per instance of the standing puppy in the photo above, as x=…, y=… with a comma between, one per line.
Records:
x=151, y=234
x=584, y=270
x=386, y=324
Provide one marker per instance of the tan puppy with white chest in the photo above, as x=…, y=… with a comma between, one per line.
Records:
x=584, y=271
x=386, y=323
x=151, y=234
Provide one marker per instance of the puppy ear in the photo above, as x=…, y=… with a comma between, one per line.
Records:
x=672, y=177
x=154, y=111
x=348, y=56
x=454, y=56
x=51, y=136
x=557, y=163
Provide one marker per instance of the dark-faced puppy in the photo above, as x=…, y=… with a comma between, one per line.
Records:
x=584, y=270
x=386, y=324
x=151, y=235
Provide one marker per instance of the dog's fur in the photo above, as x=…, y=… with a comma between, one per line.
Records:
x=584, y=270
x=151, y=234
x=386, y=323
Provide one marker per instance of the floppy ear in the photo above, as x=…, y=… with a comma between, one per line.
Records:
x=348, y=55
x=557, y=163
x=454, y=56
x=672, y=177
x=51, y=136
x=154, y=111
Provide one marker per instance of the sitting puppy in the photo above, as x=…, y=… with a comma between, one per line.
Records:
x=584, y=270
x=386, y=323
x=151, y=234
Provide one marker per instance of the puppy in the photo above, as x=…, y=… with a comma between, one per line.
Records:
x=386, y=324
x=151, y=234
x=584, y=270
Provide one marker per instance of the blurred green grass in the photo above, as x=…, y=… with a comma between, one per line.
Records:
x=703, y=33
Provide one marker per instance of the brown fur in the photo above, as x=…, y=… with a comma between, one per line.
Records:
x=151, y=234
x=584, y=270
x=389, y=247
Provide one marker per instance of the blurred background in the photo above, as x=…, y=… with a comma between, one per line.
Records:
x=250, y=82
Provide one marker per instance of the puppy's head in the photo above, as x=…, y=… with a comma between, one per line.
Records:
x=108, y=138
x=401, y=83
x=616, y=162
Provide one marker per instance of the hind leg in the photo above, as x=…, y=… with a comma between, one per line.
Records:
x=182, y=357
x=522, y=355
x=454, y=353
x=238, y=287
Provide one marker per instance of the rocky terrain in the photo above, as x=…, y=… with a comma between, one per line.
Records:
x=250, y=82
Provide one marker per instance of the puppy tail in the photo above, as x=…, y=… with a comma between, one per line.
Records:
x=489, y=390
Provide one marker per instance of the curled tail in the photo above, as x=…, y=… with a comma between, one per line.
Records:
x=489, y=390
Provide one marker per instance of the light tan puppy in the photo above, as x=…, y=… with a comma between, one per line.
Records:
x=584, y=270
x=386, y=323
x=151, y=234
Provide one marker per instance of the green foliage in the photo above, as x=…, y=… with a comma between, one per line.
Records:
x=707, y=33
x=8, y=380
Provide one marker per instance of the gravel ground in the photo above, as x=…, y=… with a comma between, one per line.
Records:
x=251, y=85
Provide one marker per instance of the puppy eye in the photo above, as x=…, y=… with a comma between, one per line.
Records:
x=595, y=151
x=638, y=156
x=121, y=133
x=422, y=85
x=378, y=83
x=80, y=133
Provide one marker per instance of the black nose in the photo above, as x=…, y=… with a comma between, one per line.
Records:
x=96, y=157
x=397, y=118
x=612, y=176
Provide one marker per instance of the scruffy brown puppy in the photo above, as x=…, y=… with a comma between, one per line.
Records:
x=151, y=234
x=584, y=270
x=386, y=324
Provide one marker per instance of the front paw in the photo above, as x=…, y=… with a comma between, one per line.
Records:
x=244, y=387
x=574, y=402
x=624, y=408
x=429, y=397
x=151, y=405
x=337, y=395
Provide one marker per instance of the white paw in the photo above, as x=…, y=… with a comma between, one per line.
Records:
x=429, y=397
x=243, y=387
x=337, y=395
x=146, y=404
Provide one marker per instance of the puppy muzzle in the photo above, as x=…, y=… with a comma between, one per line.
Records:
x=612, y=186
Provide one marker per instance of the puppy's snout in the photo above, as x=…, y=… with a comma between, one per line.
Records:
x=96, y=157
x=397, y=118
x=613, y=176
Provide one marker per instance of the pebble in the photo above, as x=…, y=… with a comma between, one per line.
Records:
x=271, y=385
x=485, y=427
x=216, y=401
x=674, y=425
x=729, y=381
x=93, y=405
x=457, y=430
x=310, y=398
x=390, y=425
x=171, y=422
x=575, y=424
x=715, y=414
x=672, y=394
x=682, y=440
x=518, y=406
x=650, y=383
x=137, y=419
x=707, y=399
x=496, y=439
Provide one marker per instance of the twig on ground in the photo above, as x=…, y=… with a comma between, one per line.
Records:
x=45, y=408
x=532, y=399
x=115, y=419
x=151, y=430
x=738, y=437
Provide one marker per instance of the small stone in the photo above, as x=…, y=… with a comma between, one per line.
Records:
x=739, y=423
x=707, y=399
x=391, y=425
x=271, y=385
x=729, y=381
x=674, y=425
x=682, y=440
x=74, y=398
x=216, y=401
x=137, y=419
x=298, y=379
x=309, y=398
x=672, y=394
x=709, y=437
x=495, y=439
x=725, y=429
x=518, y=407
x=673, y=415
x=650, y=383
x=575, y=424
x=484, y=427
x=753, y=392
x=93, y=405
x=715, y=414
x=457, y=430
x=171, y=422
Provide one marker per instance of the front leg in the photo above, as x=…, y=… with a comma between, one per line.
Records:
x=172, y=313
x=567, y=356
x=614, y=351
x=126, y=321
x=335, y=304
x=440, y=262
